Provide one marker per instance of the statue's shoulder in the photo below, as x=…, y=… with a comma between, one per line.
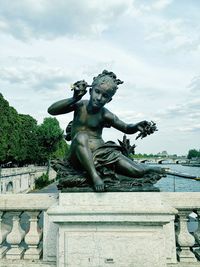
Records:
x=82, y=103
x=108, y=114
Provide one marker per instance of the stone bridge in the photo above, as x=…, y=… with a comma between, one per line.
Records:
x=164, y=160
x=21, y=180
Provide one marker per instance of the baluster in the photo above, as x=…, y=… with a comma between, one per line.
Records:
x=15, y=237
x=33, y=237
x=185, y=239
x=197, y=238
x=4, y=230
x=176, y=227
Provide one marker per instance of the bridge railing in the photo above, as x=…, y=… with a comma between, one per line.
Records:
x=187, y=225
x=21, y=225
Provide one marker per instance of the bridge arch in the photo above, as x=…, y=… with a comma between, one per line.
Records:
x=144, y=161
x=9, y=187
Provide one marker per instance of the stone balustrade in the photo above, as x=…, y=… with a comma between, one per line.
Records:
x=21, y=226
x=26, y=235
x=188, y=242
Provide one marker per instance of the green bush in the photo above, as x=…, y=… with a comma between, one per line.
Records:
x=42, y=181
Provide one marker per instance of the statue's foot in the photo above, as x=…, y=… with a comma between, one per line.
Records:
x=98, y=184
x=158, y=170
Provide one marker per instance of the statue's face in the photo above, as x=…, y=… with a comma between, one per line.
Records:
x=100, y=95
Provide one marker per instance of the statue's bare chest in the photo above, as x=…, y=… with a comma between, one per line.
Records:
x=90, y=120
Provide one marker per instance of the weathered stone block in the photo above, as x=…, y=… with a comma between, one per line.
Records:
x=118, y=229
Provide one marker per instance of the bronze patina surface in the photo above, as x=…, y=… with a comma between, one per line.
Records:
x=92, y=163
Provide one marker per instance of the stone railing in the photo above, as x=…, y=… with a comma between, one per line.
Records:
x=28, y=238
x=21, y=227
x=187, y=226
x=22, y=180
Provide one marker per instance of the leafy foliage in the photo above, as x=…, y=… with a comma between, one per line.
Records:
x=127, y=148
x=193, y=153
x=9, y=132
x=22, y=141
x=141, y=156
x=49, y=137
x=42, y=181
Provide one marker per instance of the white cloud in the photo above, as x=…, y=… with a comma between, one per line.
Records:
x=129, y=116
x=47, y=45
x=37, y=78
x=195, y=128
x=175, y=33
x=154, y=5
x=25, y=19
x=194, y=86
x=187, y=109
x=161, y=4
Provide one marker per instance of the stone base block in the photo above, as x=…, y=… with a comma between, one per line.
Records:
x=33, y=253
x=15, y=253
x=197, y=253
x=26, y=263
x=185, y=255
x=112, y=245
x=3, y=251
x=113, y=229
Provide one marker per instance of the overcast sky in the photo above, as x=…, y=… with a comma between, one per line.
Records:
x=152, y=45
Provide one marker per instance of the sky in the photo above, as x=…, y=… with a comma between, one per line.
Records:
x=153, y=46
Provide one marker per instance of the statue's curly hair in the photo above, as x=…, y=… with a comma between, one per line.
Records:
x=108, y=77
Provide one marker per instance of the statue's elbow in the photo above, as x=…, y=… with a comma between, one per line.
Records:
x=51, y=111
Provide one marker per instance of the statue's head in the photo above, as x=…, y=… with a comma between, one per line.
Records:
x=104, y=86
x=107, y=79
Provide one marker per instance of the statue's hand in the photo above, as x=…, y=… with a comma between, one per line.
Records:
x=79, y=89
x=146, y=128
x=142, y=125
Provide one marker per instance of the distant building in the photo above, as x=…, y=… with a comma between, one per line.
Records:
x=163, y=154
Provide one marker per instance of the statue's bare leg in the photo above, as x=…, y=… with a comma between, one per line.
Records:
x=84, y=155
x=133, y=169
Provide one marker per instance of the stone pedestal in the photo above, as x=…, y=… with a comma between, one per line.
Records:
x=113, y=229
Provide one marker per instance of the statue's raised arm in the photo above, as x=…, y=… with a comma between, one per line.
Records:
x=68, y=105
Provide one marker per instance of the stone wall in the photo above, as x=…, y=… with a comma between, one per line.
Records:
x=21, y=180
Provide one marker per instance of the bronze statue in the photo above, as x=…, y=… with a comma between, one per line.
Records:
x=88, y=151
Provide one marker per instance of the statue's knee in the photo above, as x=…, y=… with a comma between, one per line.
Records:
x=81, y=138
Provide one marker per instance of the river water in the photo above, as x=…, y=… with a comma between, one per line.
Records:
x=178, y=184
x=166, y=184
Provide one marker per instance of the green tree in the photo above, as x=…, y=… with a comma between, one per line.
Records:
x=9, y=132
x=23, y=141
x=62, y=151
x=28, y=139
x=49, y=137
x=4, y=113
x=193, y=153
x=13, y=136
